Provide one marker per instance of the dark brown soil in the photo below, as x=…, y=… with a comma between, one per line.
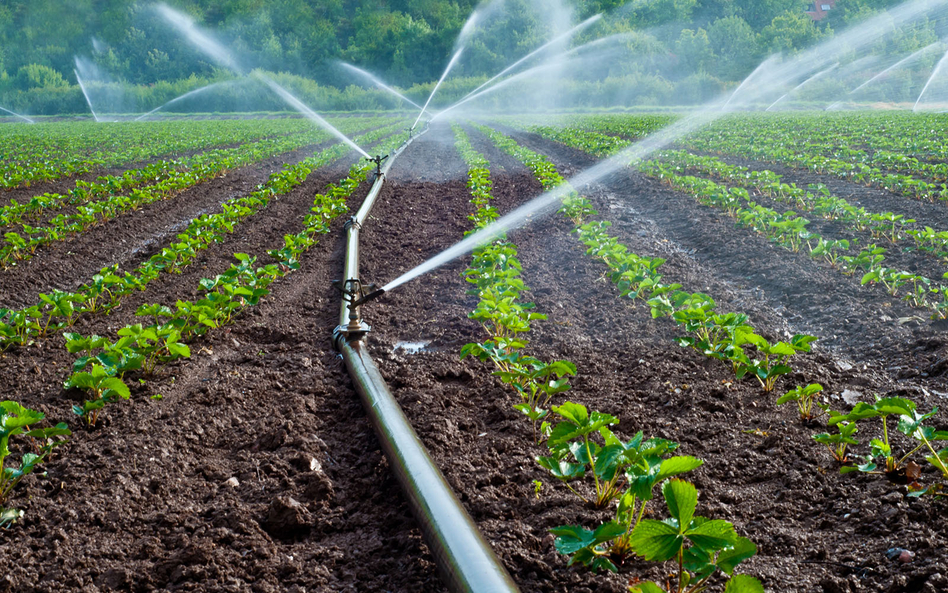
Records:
x=258, y=471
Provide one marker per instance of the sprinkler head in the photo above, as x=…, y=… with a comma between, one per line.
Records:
x=378, y=163
x=356, y=294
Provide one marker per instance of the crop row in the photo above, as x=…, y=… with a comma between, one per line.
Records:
x=790, y=230
x=817, y=199
x=916, y=427
x=19, y=247
x=623, y=475
x=51, y=151
x=141, y=349
x=105, y=290
x=109, y=185
x=787, y=228
x=907, y=184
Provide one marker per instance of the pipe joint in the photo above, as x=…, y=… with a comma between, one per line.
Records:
x=352, y=222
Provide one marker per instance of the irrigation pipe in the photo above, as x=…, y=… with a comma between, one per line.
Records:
x=465, y=560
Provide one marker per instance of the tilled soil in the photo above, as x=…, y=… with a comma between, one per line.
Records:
x=257, y=470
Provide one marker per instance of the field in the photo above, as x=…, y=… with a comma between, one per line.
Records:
x=213, y=440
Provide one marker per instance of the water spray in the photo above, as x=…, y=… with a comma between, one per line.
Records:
x=85, y=93
x=198, y=37
x=377, y=82
x=310, y=114
x=938, y=68
x=23, y=117
x=819, y=74
x=180, y=98
x=454, y=60
x=565, y=35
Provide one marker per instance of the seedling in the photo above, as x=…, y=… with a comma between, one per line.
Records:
x=625, y=472
x=16, y=420
x=839, y=442
x=911, y=424
x=101, y=386
x=805, y=397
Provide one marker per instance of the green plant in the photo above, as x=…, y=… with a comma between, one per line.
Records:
x=699, y=546
x=102, y=388
x=772, y=361
x=838, y=443
x=912, y=424
x=805, y=397
x=15, y=420
x=625, y=472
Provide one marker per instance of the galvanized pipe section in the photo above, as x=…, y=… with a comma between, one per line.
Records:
x=466, y=561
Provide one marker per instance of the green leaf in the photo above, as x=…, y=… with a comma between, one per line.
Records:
x=711, y=534
x=575, y=413
x=571, y=538
x=741, y=550
x=682, y=499
x=742, y=583
x=656, y=540
x=116, y=385
x=674, y=466
x=561, y=469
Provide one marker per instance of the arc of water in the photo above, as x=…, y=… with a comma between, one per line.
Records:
x=557, y=39
x=938, y=68
x=901, y=62
x=85, y=94
x=544, y=66
x=180, y=98
x=377, y=82
x=309, y=113
x=440, y=80
x=198, y=37
x=23, y=117
x=804, y=83
x=176, y=99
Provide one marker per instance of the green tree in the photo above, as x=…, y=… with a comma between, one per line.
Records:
x=38, y=76
x=694, y=49
x=790, y=32
x=734, y=42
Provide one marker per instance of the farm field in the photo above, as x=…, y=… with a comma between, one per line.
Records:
x=216, y=442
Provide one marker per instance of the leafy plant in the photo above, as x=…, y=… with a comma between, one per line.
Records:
x=625, y=472
x=806, y=399
x=838, y=443
x=699, y=546
x=911, y=423
x=15, y=420
x=102, y=388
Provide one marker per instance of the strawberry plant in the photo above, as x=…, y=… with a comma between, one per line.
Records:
x=772, y=361
x=911, y=423
x=805, y=398
x=839, y=442
x=700, y=547
x=622, y=472
x=15, y=420
x=103, y=389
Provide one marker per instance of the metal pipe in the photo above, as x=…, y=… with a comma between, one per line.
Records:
x=465, y=560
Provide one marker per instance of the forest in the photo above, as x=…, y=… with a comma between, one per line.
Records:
x=687, y=49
